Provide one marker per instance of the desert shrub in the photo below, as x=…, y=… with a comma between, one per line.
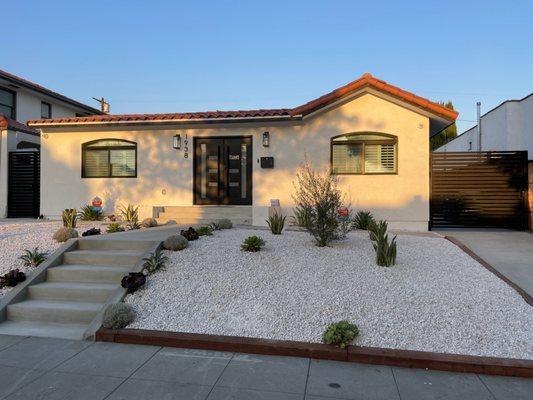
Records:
x=385, y=250
x=118, y=316
x=175, y=243
x=129, y=212
x=32, y=258
x=362, y=220
x=154, y=262
x=114, y=227
x=276, y=223
x=340, y=334
x=12, y=278
x=377, y=229
x=63, y=234
x=318, y=199
x=223, y=223
x=91, y=232
x=204, y=231
x=133, y=281
x=69, y=217
x=134, y=224
x=149, y=222
x=88, y=213
x=189, y=234
x=252, y=243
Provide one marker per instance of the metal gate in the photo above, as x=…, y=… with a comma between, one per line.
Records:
x=479, y=189
x=23, y=196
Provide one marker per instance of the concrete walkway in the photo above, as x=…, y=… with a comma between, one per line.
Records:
x=39, y=368
x=510, y=252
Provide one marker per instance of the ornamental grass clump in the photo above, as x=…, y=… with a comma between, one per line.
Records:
x=89, y=213
x=154, y=262
x=32, y=258
x=118, y=316
x=363, y=219
x=340, y=334
x=252, y=244
x=69, y=217
x=276, y=223
x=63, y=234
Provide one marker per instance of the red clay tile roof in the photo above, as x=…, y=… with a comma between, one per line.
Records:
x=288, y=113
x=11, y=124
x=17, y=80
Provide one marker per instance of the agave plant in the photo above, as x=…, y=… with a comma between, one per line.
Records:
x=88, y=213
x=69, y=217
x=252, y=244
x=129, y=212
x=154, y=262
x=276, y=223
x=362, y=220
x=32, y=258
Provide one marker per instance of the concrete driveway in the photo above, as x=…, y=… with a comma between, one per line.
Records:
x=40, y=368
x=510, y=252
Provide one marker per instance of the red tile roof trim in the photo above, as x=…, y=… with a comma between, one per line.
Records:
x=285, y=113
x=11, y=124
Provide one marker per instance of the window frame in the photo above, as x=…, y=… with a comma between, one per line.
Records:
x=387, y=139
x=50, y=108
x=85, y=145
x=14, y=107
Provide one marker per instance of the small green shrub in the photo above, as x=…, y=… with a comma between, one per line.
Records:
x=129, y=212
x=175, y=243
x=32, y=258
x=88, y=213
x=385, y=251
x=276, y=223
x=252, y=243
x=377, y=229
x=114, y=227
x=340, y=334
x=118, y=316
x=149, y=222
x=69, y=217
x=154, y=262
x=362, y=220
x=63, y=234
x=205, y=231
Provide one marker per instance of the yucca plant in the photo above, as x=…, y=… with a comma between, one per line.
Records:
x=276, y=223
x=385, y=251
x=362, y=220
x=252, y=244
x=69, y=217
x=88, y=213
x=129, y=212
x=32, y=258
x=154, y=262
x=114, y=227
x=377, y=229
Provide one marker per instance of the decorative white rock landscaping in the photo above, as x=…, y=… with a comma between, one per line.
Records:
x=436, y=298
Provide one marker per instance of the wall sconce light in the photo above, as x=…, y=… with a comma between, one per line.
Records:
x=177, y=142
x=266, y=139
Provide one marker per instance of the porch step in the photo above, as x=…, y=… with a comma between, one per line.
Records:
x=53, y=330
x=72, y=291
x=86, y=273
x=122, y=258
x=64, y=312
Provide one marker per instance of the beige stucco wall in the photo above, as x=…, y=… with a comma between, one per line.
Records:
x=165, y=177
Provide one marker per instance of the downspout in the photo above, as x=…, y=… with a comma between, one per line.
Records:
x=478, y=105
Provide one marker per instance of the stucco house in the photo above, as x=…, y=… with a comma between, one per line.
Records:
x=191, y=166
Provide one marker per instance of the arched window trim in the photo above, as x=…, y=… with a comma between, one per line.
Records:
x=86, y=147
x=388, y=139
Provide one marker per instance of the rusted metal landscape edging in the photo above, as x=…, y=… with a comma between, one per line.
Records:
x=367, y=355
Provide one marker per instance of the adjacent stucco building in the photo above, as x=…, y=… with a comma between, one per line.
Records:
x=373, y=135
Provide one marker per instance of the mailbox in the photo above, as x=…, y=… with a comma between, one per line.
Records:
x=267, y=162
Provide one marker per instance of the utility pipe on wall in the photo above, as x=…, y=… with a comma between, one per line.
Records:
x=478, y=104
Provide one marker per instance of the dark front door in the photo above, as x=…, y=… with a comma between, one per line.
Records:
x=223, y=170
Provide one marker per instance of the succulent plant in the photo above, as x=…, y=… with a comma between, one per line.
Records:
x=189, y=234
x=32, y=258
x=91, y=232
x=133, y=281
x=276, y=223
x=252, y=244
x=129, y=212
x=69, y=217
x=114, y=227
x=154, y=262
x=362, y=220
x=204, y=231
x=12, y=278
x=89, y=213
x=340, y=334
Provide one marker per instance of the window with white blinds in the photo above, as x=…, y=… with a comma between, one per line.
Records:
x=364, y=153
x=109, y=158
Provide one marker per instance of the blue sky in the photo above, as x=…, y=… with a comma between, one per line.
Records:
x=173, y=56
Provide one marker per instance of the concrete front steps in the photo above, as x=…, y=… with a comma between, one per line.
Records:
x=73, y=293
x=203, y=215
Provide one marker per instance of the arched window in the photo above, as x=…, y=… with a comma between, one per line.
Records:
x=364, y=153
x=109, y=158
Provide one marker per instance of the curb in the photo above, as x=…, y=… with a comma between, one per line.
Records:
x=366, y=355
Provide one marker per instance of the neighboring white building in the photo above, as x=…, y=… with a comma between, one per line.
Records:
x=20, y=101
x=508, y=126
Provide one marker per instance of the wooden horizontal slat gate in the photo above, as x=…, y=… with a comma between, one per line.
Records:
x=23, y=196
x=479, y=189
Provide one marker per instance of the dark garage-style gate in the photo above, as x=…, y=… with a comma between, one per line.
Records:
x=23, y=192
x=479, y=189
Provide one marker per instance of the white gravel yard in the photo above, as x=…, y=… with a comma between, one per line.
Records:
x=436, y=298
x=17, y=236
